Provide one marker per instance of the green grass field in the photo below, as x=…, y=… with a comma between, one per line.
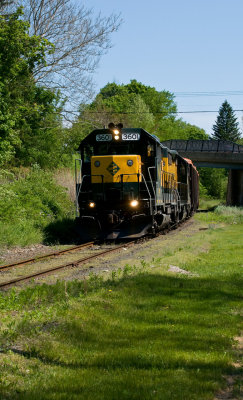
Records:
x=145, y=333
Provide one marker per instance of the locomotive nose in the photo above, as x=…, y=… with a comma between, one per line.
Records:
x=116, y=169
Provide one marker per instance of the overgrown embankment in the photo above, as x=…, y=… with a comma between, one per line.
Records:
x=30, y=200
x=145, y=333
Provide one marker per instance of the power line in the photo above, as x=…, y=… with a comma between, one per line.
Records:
x=209, y=94
x=157, y=113
x=202, y=111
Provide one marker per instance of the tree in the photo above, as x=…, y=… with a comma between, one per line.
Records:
x=171, y=128
x=79, y=37
x=127, y=108
x=214, y=181
x=29, y=114
x=135, y=105
x=226, y=126
x=5, y=3
x=160, y=103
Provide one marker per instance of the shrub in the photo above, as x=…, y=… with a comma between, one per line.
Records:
x=224, y=214
x=30, y=204
x=234, y=214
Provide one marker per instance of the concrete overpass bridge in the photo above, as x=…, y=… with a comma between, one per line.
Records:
x=215, y=154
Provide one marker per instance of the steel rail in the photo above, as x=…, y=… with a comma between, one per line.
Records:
x=82, y=260
x=70, y=264
x=56, y=253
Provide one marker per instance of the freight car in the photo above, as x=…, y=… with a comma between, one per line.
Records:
x=128, y=184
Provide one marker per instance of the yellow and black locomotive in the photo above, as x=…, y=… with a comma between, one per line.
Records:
x=130, y=185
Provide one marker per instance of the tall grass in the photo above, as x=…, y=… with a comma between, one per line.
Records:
x=65, y=178
x=19, y=233
x=207, y=203
x=224, y=214
x=28, y=204
x=229, y=211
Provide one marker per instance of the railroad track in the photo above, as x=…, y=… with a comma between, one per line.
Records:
x=51, y=270
x=56, y=253
x=74, y=263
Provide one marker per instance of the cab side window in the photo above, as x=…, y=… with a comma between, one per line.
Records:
x=150, y=150
x=88, y=152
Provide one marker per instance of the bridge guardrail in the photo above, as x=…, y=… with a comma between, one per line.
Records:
x=219, y=146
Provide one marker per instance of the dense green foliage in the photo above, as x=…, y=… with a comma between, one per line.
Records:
x=29, y=114
x=214, y=182
x=28, y=204
x=145, y=333
x=226, y=126
x=134, y=105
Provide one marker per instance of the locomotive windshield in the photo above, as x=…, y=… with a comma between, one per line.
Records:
x=102, y=143
x=115, y=148
x=103, y=149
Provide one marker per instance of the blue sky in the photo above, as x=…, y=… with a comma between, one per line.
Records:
x=180, y=46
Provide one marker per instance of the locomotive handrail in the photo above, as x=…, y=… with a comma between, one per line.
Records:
x=122, y=175
x=155, y=200
x=134, y=173
x=78, y=176
x=168, y=182
x=90, y=175
x=80, y=187
x=177, y=195
x=150, y=197
x=138, y=175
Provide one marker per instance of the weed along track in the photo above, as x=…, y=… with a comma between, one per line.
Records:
x=73, y=263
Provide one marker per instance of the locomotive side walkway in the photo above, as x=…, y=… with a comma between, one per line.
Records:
x=215, y=154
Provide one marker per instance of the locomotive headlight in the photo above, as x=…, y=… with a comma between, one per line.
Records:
x=116, y=137
x=129, y=163
x=134, y=203
x=97, y=163
x=91, y=204
x=116, y=131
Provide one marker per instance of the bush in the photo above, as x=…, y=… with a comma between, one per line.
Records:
x=215, y=182
x=223, y=214
x=203, y=191
x=231, y=214
x=29, y=204
x=19, y=233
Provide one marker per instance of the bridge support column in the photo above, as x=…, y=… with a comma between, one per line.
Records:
x=235, y=188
